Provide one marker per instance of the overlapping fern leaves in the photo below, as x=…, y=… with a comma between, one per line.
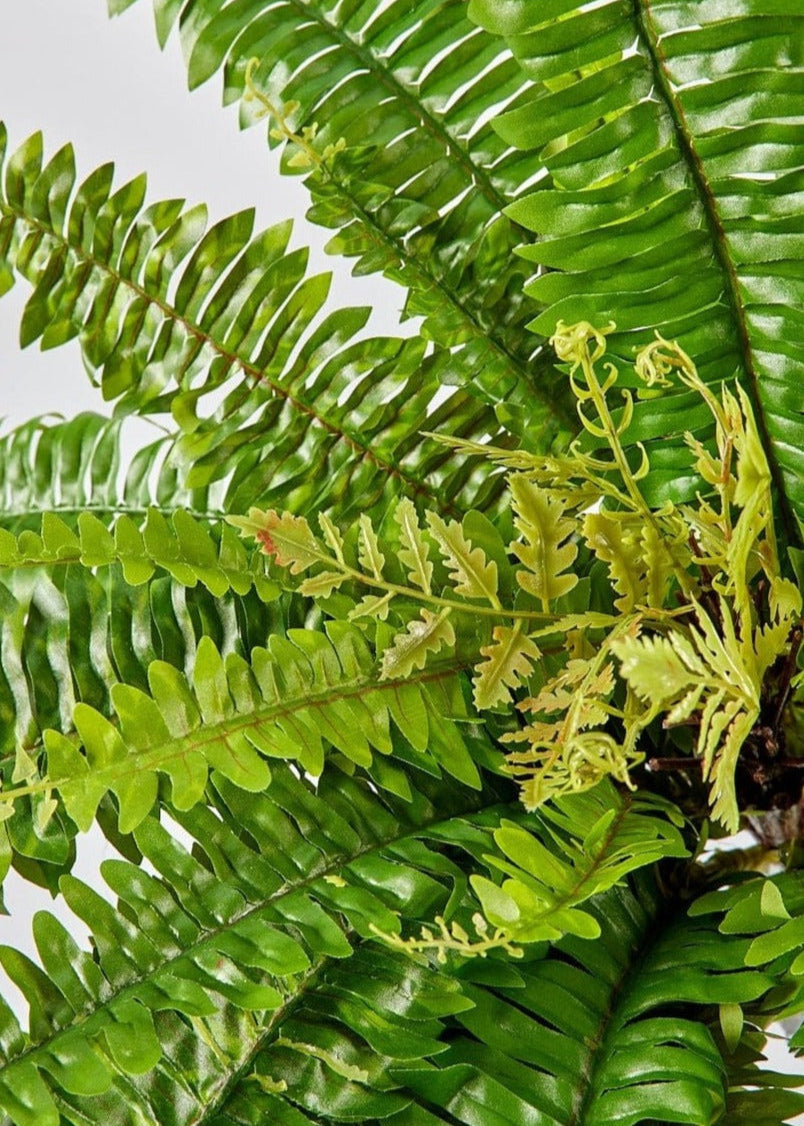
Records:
x=240, y=322
x=256, y=954
x=419, y=186
x=704, y=612
x=668, y=132
x=365, y=924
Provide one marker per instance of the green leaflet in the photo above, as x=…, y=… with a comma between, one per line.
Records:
x=769, y=912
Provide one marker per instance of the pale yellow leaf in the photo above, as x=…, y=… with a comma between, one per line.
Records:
x=508, y=662
x=652, y=668
x=372, y=606
x=548, y=550
x=371, y=558
x=413, y=549
x=409, y=651
x=322, y=584
x=470, y=571
x=618, y=546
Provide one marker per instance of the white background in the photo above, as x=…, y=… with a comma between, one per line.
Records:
x=102, y=84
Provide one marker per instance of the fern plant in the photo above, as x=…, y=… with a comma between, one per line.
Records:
x=409, y=679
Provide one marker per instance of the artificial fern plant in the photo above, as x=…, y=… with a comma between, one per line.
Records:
x=411, y=678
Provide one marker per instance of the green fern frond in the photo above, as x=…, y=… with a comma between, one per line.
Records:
x=291, y=700
x=182, y=547
x=247, y=951
x=168, y=315
x=665, y=206
x=418, y=183
x=74, y=466
x=69, y=637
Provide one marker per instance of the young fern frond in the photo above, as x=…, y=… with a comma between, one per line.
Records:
x=690, y=638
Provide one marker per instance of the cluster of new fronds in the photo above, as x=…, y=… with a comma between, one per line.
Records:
x=696, y=615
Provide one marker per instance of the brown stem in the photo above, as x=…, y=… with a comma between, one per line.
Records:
x=787, y=675
x=684, y=762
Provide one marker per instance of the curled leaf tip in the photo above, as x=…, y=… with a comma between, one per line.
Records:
x=656, y=360
x=571, y=342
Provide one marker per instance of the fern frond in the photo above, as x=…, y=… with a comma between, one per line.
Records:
x=69, y=637
x=74, y=466
x=306, y=407
x=183, y=547
x=604, y=1011
x=253, y=931
x=418, y=183
x=249, y=954
x=291, y=700
x=580, y=846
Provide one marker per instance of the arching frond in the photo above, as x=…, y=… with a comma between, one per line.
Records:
x=305, y=405
x=668, y=131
